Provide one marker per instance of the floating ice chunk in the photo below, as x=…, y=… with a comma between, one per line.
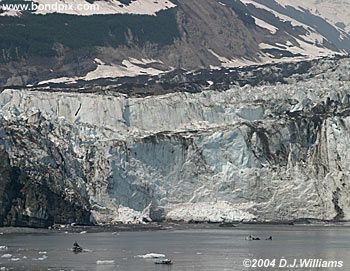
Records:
x=6, y=256
x=42, y=252
x=3, y=248
x=15, y=259
x=105, y=262
x=44, y=257
x=83, y=232
x=151, y=256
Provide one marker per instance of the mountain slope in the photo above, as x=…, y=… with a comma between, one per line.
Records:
x=134, y=38
x=336, y=12
x=314, y=22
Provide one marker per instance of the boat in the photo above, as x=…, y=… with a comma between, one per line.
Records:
x=77, y=249
x=164, y=261
x=252, y=238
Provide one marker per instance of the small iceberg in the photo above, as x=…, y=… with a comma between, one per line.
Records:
x=151, y=256
x=6, y=256
x=3, y=248
x=42, y=258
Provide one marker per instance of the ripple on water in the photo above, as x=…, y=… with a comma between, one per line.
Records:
x=105, y=262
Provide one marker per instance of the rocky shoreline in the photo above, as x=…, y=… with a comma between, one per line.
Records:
x=169, y=226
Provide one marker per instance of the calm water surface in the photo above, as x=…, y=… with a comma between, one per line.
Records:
x=190, y=249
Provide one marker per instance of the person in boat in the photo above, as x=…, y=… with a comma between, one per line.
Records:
x=252, y=238
x=77, y=248
x=164, y=261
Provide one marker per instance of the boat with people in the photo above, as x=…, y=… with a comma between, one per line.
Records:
x=253, y=238
x=164, y=261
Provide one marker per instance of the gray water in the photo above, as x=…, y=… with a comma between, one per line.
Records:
x=190, y=249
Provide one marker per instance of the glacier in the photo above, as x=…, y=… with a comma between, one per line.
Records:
x=274, y=152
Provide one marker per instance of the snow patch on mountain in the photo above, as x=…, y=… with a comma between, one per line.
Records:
x=282, y=17
x=265, y=25
x=332, y=10
x=303, y=50
x=130, y=67
x=311, y=44
x=311, y=50
x=227, y=63
x=11, y=13
x=82, y=7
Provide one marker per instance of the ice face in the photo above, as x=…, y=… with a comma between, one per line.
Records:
x=254, y=153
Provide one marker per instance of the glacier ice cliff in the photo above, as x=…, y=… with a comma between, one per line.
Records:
x=264, y=153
